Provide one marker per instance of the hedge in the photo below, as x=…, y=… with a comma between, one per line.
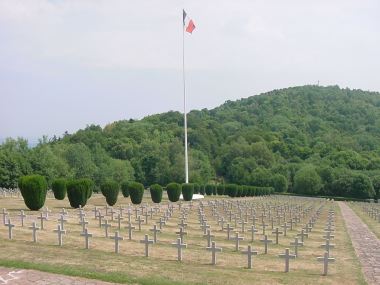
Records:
x=136, y=191
x=187, y=191
x=202, y=190
x=33, y=190
x=209, y=188
x=197, y=188
x=124, y=188
x=110, y=189
x=59, y=188
x=156, y=193
x=78, y=192
x=220, y=189
x=174, y=191
x=231, y=190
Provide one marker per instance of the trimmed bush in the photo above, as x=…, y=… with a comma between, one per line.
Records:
x=77, y=192
x=59, y=188
x=202, y=190
x=220, y=189
x=124, y=188
x=239, y=191
x=214, y=190
x=136, y=191
x=33, y=190
x=110, y=189
x=209, y=189
x=90, y=186
x=231, y=190
x=174, y=191
x=197, y=188
x=156, y=193
x=187, y=191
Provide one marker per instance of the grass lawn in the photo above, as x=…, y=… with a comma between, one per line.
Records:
x=131, y=267
x=372, y=224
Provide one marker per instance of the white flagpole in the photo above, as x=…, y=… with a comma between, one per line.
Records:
x=184, y=105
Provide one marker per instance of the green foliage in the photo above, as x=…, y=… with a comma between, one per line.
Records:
x=124, y=188
x=90, y=186
x=197, y=188
x=33, y=190
x=202, y=189
x=156, y=193
x=187, y=191
x=136, y=191
x=110, y=189
x=280, y=183
x=220, y=189
x=209, y=189
x=231, y=190
x=78, y=192
x=376, y=186
x=307, y=181
x=174, y=191
x=59, y=188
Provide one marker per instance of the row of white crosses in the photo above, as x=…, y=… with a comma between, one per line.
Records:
x=179, y=244
x=372, y=210
x=329, y=230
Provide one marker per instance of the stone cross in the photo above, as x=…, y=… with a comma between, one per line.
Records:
x=229, y=230
x=10, y=226
x=287, y=256
x=119, y=218
x=95, y=212
x=266, y=241
x=46, y=212
x=139, y=220
x=181, y=233
x=328, y=235
x=296, y=244
x=106, y=225
x=86, y=235
x=112, y=213
x=250, y=254
x=264, y=225
x=325, y=259
x=182, y=224
x=161, y=222
x=243, y=223
x=179, y=245
x=237, y=240
x=146, y=241
x=285, y=226
x=327, y=245
x=302, y=235
x=155, y=231
x=253, y=230
x=22, y=216
x=60, y=233
x=83, y=223
x=117, y=238
x=63, y=212
x=34, y=228
x=100, y=217
x=277, y=233
x=208, y=236
x=213, y=250
x=81, y=214
x=5, y=214
x=62, y=221
x=130, y=228
x=42, y=218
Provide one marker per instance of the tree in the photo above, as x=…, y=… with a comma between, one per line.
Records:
x=280, y=183
x=307, y=181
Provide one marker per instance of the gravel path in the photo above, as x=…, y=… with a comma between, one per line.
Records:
x=366, y=244
x=13, y=276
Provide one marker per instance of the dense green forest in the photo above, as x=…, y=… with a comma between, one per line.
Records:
x=309, y=139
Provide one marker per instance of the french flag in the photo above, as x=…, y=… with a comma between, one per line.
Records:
x=188, y=23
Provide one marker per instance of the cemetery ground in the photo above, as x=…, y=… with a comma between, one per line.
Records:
x=130, y=265
x=369, y=214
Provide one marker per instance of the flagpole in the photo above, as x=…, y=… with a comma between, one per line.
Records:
x=184, y=106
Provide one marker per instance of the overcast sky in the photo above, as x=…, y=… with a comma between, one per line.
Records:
x=66, y=64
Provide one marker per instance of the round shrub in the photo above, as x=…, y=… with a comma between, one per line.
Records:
x=231, y=190
x=174, y=191
x=187, y=191
x=307, y=181
x=33, y=190
x=209, y=189
x=197, y=188
x=124, y=188
x=280, y=183
x=59, y=188
x=156, y=193
x=136, y=191
x=220, y=189
x=77, y=192
x=110, y=189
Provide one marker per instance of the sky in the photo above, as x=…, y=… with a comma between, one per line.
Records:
x=65, y=64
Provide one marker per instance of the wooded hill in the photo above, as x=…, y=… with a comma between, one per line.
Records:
x=309, y=139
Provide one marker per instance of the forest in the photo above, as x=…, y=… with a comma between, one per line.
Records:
x=309, y=140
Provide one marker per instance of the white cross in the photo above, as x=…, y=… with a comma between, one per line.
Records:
x=34, y=228
x=250, y=254
x=266, y=241
x=287, y=257
x=237, y=240
x=10, y=226
x=60, y=233
x=86, y=235
x=117, y=238
x=155, y=231
x=146, y=241
x=130, y=228
x=179, y=245
x=22, y=216
x=213, y=250
x=325, y=259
